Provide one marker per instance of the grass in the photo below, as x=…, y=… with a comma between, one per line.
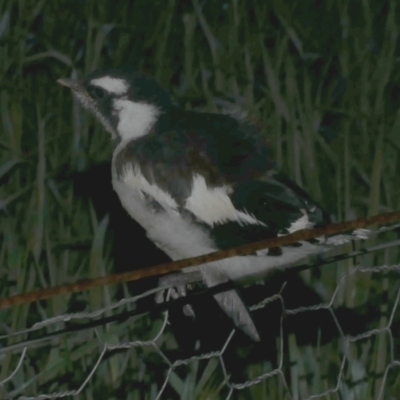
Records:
x=321, y=79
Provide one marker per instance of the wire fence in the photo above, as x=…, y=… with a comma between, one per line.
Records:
x=124, y=345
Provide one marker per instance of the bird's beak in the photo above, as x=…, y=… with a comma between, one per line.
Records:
x=75, y=85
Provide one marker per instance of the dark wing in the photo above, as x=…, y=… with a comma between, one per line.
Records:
x=234, y=193
x=277, y=202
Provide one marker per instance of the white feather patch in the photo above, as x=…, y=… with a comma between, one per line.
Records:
x=244, y=217
x=213, y=205
x=112, y=85
x=135, y=119
x=134, y=178
x=301, y=223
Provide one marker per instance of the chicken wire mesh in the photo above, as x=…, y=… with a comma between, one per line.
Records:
x=127, y=351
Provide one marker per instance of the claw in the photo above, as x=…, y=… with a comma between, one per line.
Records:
x=179, y=284
x=188, y=311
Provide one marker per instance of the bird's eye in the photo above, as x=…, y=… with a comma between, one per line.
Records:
x=97, y=92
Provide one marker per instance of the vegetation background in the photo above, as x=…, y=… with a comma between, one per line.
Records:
x=320, y=78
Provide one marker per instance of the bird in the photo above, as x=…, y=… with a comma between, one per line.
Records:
x=197, y=182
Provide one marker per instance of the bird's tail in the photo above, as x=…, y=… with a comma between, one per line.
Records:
x=230, y=301
x=241, y=268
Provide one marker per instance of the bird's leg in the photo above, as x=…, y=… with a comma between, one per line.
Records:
x=178, y=283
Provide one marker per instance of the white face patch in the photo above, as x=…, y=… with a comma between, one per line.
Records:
x=134, y=179
x=134, y=119
x=111, y=85
x=213, y=205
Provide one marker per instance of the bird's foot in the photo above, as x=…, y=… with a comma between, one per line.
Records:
x=176, y=286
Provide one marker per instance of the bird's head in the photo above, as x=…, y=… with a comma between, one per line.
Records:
x=125, y=101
